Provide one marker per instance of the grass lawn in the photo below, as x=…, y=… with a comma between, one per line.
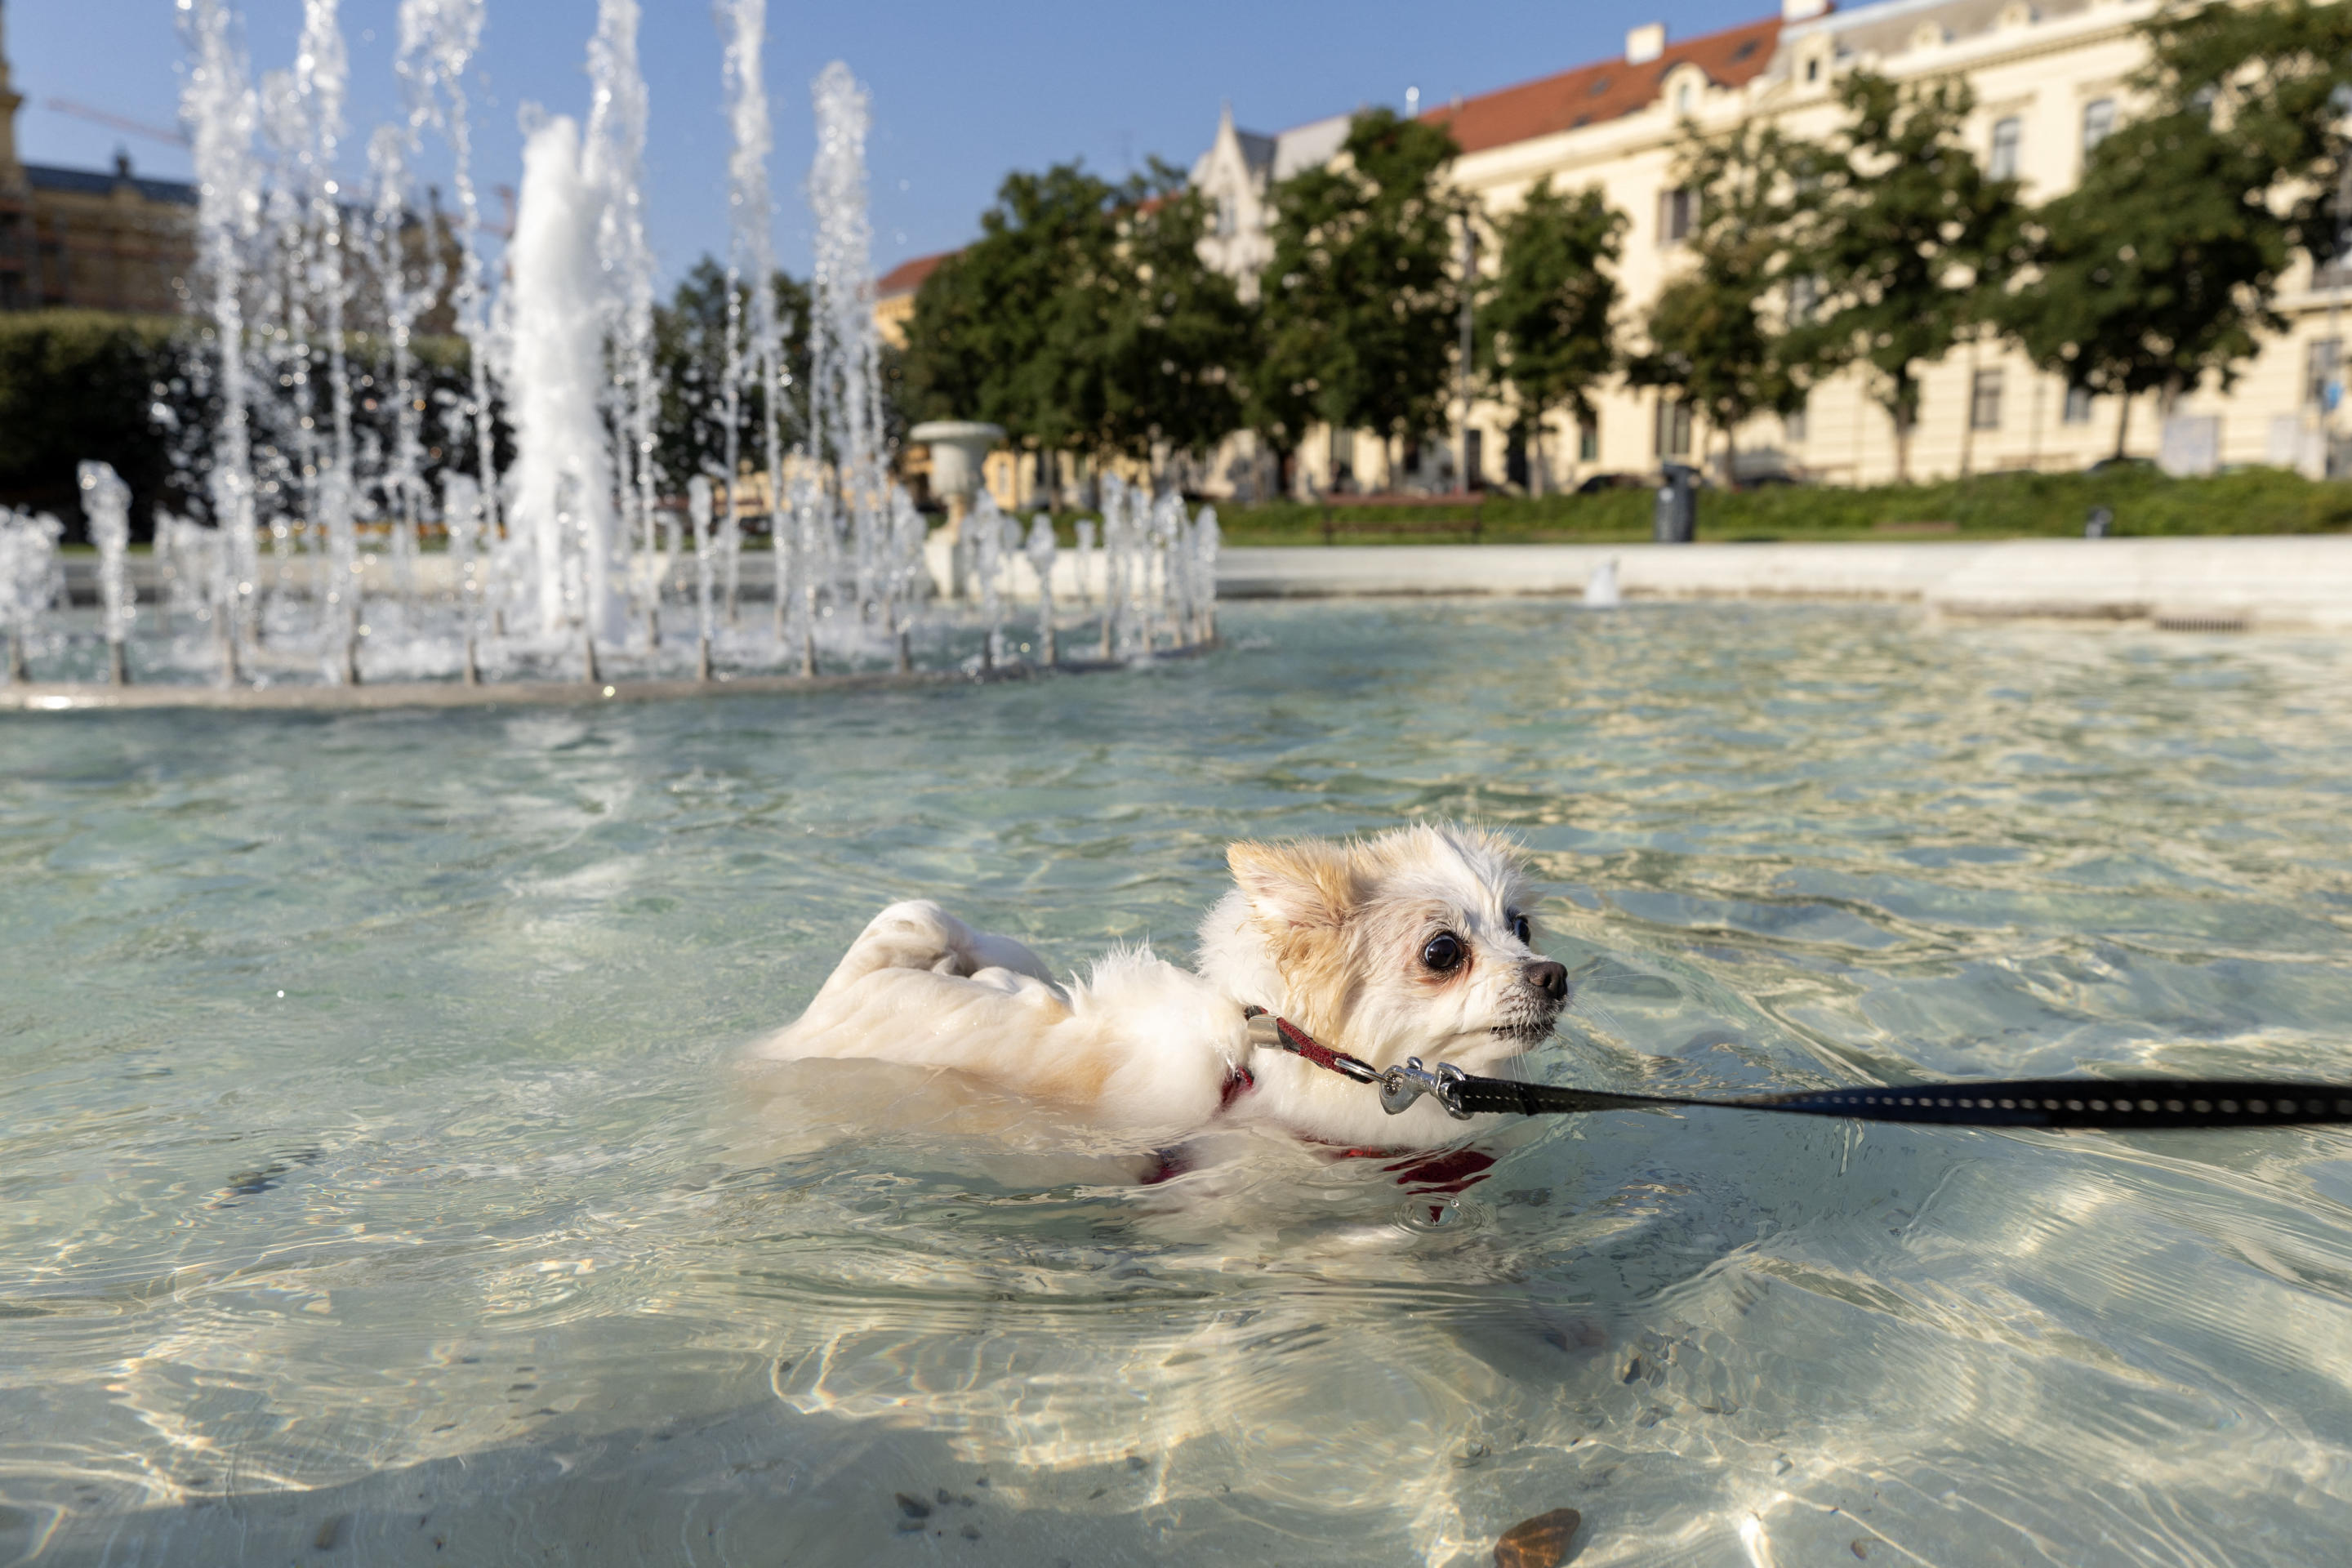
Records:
x=1993, y=506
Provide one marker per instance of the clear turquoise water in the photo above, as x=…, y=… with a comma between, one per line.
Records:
x=380, y=1182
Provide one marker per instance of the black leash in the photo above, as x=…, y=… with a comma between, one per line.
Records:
x=2106, y=1105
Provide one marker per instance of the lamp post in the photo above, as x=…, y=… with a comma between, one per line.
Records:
x=1461, y=371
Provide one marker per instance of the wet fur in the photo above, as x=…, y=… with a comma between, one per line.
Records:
x=1327, y=934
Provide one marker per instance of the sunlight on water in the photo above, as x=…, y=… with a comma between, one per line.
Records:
x=381, y=1179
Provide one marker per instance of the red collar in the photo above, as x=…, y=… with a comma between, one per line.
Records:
x=1239, y=1081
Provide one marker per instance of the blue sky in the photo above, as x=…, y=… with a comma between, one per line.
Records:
x=961, y=92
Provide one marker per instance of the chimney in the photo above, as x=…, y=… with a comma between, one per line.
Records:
x=1804, y=10
x=1646, y=43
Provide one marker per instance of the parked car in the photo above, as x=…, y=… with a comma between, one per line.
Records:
x=2123, y=466
x=1595, y=484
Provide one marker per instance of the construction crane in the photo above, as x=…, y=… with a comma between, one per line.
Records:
x=173, y=137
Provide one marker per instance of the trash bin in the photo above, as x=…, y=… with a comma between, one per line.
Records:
x=1676, y=520
x=2100, y=524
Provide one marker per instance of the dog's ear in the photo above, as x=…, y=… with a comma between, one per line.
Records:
x=1304, y=884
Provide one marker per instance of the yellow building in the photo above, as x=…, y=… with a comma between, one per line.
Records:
x=2048, y=79
x=97, y=239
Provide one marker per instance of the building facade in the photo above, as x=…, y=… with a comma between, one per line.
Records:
x=2048, y=80
x=89, y=239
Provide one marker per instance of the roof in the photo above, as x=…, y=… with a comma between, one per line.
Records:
x=1258, y=150
x=1310, y=145
x=101, y=183
x=1604, y=90
x=908, y=276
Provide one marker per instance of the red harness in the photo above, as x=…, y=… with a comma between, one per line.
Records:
x=1445, y=1172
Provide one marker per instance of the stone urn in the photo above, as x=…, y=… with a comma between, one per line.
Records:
x=958, y=446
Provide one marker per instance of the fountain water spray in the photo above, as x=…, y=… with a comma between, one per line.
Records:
x=464, y=515
x=563, y=473
x=406, y=498
x=613, y=160
x=324, y=432
x=844, y=384
x=437, y=42
x=29, y=580
x=1041, y=550
x=219, y=107
x=106, y=502
x=697, y=506
x=754, y=338
x=1086, y=553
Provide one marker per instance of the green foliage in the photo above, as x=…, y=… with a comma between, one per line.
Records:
x=1546, y=323
x=1709, y=336
x=1990, y=506
x=1901, y=230
x=1361, y=300
x=1082, y=320
x=2157, y=269
x=2275, y=77
x=691, y=361
x=78, y=385
x=1173, y=330
x=989, y=338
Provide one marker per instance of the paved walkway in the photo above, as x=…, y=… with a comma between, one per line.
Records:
x=2242, y=582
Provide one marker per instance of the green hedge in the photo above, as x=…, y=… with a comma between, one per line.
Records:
x=84, y=383
x=76, y=384
x=2250, y=500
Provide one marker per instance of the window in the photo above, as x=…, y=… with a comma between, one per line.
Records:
x=1673, y=428
x=1813, y=69
x=2323, y=380
x=1474, y=460
x=2098, y=122
x=1677, y=214
x=2078, y=407
x=2006, y=135
x=1794, y=424
x=1685, y=99
x=1343, y=456
x=1984, y=401
x=1588, y=440
x=1229, y=219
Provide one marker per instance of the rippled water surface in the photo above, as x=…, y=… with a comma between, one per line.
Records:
x=380, y=1182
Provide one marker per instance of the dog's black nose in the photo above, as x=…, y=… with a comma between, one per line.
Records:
x=1550, y=978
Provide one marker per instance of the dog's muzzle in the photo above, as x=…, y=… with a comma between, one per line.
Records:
x=1536, y=1005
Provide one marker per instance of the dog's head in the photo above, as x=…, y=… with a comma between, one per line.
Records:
x=1416, y=942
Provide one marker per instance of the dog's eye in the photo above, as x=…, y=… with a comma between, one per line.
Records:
x=1520, y=929
x=1444, y=952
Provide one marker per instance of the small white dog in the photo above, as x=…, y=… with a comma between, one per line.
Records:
x=1412, y=944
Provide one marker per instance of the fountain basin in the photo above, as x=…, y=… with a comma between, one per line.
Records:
x=381, y=1172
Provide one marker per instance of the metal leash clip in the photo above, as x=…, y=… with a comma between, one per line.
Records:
x=1401, y=1085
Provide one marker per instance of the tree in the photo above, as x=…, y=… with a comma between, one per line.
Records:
x=689, y=364
x=1003, y=331
x=1358, y=310
x=1709, y=336
x=1082, y=320
x=1902, y=231
x=1173, y=329
x=2154, y=272
x=2276, y=78
x=1545, y=320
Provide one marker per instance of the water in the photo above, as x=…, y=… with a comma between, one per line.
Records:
x=381, y=1172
